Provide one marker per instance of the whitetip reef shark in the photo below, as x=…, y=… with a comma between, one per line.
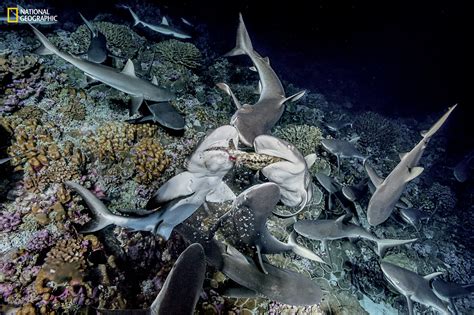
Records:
x=342, y=149
x=247, y=219
x=413, y=286
x=179, y=197
x=125, y=80
x=291, y=175
x=448, y=291
x=325, y=230
x=163, y=28
x=180, y=292
x=257, y=119
x=389, y=191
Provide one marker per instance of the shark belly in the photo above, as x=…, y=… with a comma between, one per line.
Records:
x=383, y=201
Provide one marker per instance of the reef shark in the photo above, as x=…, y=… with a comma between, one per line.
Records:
x=125, y=80
x=163, y=28
x=247, y=220
x=257, y=119
x=291, y=175
x=413, y=216
x=330, y=185
x=461, y=170
x=388, y=192
x=281, y=285
x=179, y=197
x=325, y=230
x=413, y=286
x=174, y=297
x=448, y=291
x=342, y=149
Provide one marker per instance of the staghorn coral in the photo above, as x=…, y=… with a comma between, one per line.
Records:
x=150, y=160
x=376, y=132
x=304, y=137
x=16, y=65
x=72, y=103
x=179, y=53
x=121, y=40
x=9, y=221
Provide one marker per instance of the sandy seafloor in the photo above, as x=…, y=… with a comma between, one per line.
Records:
x=59, y=127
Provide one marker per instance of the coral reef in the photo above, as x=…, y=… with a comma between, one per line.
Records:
x=376, y=132
x=178, y=53
x=149, y=159
x=304, y=137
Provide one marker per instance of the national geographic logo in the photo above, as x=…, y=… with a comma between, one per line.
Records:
x=35, y=16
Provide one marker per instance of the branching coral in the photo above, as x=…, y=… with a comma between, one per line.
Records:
x=150, y=160
x=180, y=53
x=304, y=137
x=376, y=132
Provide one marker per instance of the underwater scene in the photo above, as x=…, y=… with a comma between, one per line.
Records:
x=256, y=157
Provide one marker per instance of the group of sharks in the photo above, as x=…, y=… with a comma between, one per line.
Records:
x=288, y=181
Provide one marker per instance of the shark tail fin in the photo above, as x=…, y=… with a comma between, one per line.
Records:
x=243, y=44
x=302, y=251
x=102, y=216
x=46, y=48
x=383, y=245
x=296, y=96
x=438, y=124
x=136, y=19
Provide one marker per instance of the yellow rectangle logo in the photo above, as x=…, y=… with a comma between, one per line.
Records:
x=12, y=15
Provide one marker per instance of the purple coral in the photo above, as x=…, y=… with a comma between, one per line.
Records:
x=9, y=221
x=40, y=240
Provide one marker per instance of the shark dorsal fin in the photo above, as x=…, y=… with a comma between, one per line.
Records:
x=129, y=68
x=164, y=21
x=343, y=219
x=154, y=80
x=413, y=173
x=432, y=275
x=310, y=159
x=267, y=61
x=232, y=251
x=402, y=155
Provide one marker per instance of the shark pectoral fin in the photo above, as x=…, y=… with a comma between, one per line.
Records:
x=296, y=96
x=384, y=244
x=374, y=177
x=402, y=155
x=178, y=186
x=259, y=260
x=433, y=275
x=164, y=21
x=221, y=193
x=154, y=80
x=232, y=251
x=253, y=68
x=43, y=51
x=136, y=102
x=303, y=251
x=129, y=68
x=343, y=219
x=409, y=304
x=224, y=87
x=413, y=173
x=310, y=159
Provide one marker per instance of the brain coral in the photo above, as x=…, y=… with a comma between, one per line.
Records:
x=180, y=53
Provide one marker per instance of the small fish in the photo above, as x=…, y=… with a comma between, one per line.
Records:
x=325, y=230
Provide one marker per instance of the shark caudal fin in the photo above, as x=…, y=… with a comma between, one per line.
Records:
x=46, y=48
x=136, y=19
x=383, y=245
x=243, y=44
x=302, y=251
x=102, y=216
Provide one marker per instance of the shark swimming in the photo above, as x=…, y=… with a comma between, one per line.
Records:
x=413, y=216
x=125, y=80
x=342, y=149
x=163, y=28
x=247, y=224
x=179, y=197
x=413, y=286
x=164, y=114
x=291, y=175
x=330, y=185
x=389, y=191
x=257, y=119
x=448, y=291
x=174, y=297
x=281, y=285
x=325, y=230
